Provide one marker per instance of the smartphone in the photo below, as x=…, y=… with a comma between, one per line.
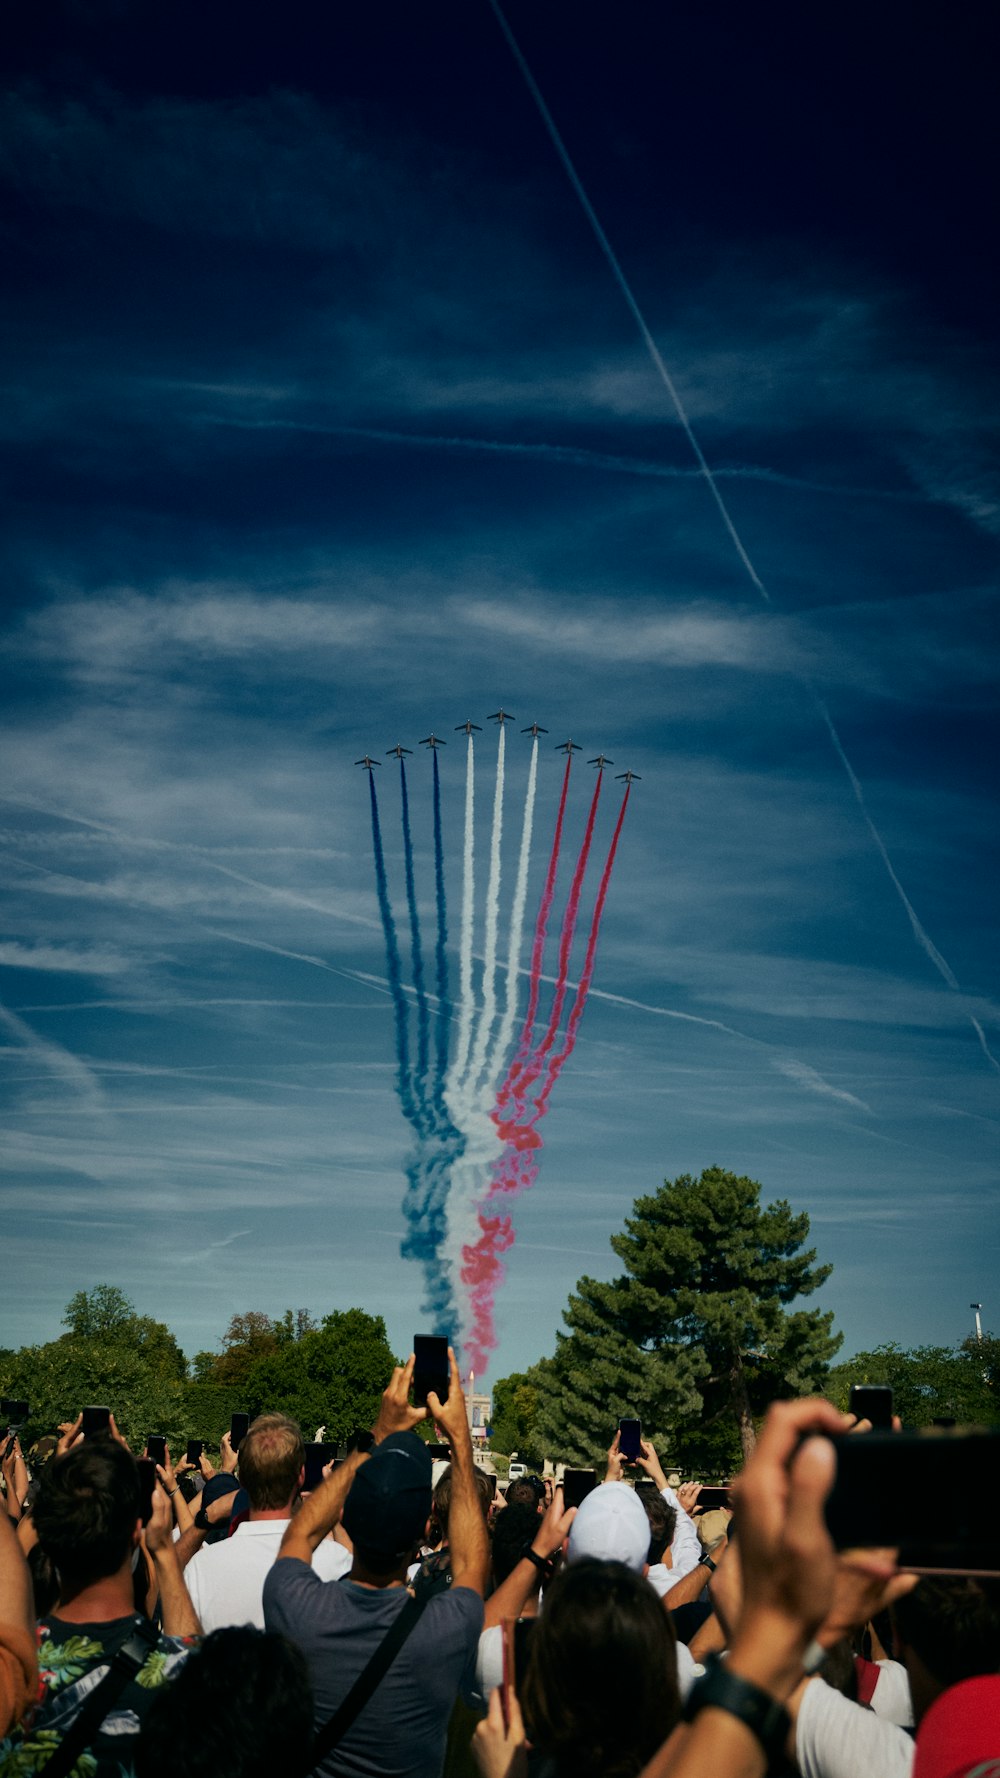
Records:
x=147, y=1482
x=317, y=1458
x=629, y=1437
x=508, y=1687
x=712, y=1497
x=95, y=1420
x=239, y=1426
x=156, y=1447
x=577, y=1484
x=872, y=1401
x=432, y=1370
x=195, y=1446
x=492, y=1483
x=885, y=1487
x=359, y=1441
x=440, y=1453
x=14, y=1413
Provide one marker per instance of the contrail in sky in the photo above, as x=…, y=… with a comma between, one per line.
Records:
x=656, y=358
x=423, y=1022
x=461, y=1056
x=441, y=950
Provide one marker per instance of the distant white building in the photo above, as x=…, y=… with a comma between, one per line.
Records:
x=478, y=1408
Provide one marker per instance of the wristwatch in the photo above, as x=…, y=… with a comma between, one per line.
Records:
x=545, y=1565
x=705, y=1561
x=768, y=1720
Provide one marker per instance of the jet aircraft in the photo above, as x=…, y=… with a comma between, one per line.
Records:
x=468, y=727
x=501, y=716
x=367, y=762
x=398, y=750
x=534, y=729
x=569, y=747
x=629, y=777
x=433, y=741
x=601, y=761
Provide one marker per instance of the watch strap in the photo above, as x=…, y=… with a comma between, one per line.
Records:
x=763, y=1715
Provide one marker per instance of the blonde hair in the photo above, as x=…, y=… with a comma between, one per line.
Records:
x=271, y=1459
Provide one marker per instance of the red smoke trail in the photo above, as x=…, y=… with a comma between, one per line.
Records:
x=483, y=1268
x=532, y=1067
x=505, y=1092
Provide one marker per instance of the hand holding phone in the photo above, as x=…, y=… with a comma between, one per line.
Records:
x=431, y=1370
x=872, y=1402
x=630, y=1440
x=96, y=1421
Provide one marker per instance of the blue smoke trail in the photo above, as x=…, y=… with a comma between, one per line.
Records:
x=427, y=1176
x=441, y=952
x=419, y=984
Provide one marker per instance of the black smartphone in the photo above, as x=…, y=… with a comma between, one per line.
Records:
x=712, y=1497
x=359, y=1441
x=629, y=1439
x=14, y=1413
x=885, y=1481
x=442, y=1452
x=317, y=1458
x=432, y=1370
x=872, y=1401
x=156, y=1447
x=95, y=1420
x=577, y=1484
x=491, y=1481
x=147, y=1482
x=195, y=1446
x=239, y=1426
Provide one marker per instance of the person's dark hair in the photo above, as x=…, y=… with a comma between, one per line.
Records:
x=513, y=1531
x=600, y=1694
x=953, y=1624
x=521, y=1493
x=87, y=1510
x=442, y=1497
x=246, y=1704
x=271, y=1460
x=662, y=1523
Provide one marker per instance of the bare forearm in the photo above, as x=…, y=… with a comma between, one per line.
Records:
x=714, y=1743
x=318, y=1515
x=689, y=1587
x=16, y=1601
x=179, y=1615
x=467, y=1537
x=511, y=1596
x=188, y=1544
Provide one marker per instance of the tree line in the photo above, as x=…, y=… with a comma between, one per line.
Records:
x=701, y=1329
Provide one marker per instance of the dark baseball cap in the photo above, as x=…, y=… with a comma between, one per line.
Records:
x=390, y=1496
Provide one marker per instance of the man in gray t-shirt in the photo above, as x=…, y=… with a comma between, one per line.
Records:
x=384, y=1498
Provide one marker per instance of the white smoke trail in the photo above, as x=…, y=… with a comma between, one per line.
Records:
x=666, y=379
x=987, y=1052
x=487, y=1013
x=457, y=1068
x=506, y=1031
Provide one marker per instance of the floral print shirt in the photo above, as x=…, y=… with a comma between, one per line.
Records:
x=72, y=1660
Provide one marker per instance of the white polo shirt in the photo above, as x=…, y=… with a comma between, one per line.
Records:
x=226, y=1580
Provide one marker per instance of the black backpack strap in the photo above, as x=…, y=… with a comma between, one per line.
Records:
x=129, y=1660
x=366, y=1682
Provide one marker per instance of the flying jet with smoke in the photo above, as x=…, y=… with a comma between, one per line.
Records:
x=367, y=762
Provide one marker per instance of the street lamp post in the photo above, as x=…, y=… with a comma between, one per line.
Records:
x=979, y=1325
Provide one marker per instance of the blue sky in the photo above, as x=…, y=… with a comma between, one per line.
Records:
x=325, y=425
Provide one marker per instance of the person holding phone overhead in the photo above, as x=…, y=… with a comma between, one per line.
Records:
x=384, y=1497
x=226, y=1580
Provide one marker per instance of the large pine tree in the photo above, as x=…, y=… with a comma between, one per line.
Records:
x=696, y=1335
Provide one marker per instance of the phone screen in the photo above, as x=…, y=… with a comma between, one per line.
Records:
x=195, y=1446
x=431, y=1371
x=886, y=1480
x=629, y=1435
x=577, y=1484
x=14, y=1412
x=239, y=1426
x=147, y=1483
x=156, y=1447
x=712, y=1497
x=317, y=1458
x=95, y=1420
x=873, y=1401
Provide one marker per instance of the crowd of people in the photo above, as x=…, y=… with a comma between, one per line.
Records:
x=399, y=1620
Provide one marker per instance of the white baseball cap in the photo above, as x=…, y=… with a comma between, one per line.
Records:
x=611, y=1524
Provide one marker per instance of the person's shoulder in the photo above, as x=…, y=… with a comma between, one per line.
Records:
x=458, y=1605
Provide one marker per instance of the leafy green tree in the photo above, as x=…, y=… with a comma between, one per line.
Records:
x=60, y=1378
x=249, y=1338
x=929, y=1382
x=697, y=1334
x=514, y=1418
x=106, y=1315
x=333, y=1376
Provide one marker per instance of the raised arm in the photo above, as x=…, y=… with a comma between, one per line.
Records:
x=467, y=1537
x=320, y=1511
x=179, y=1615
x=18, y=1666
x=525, y=1578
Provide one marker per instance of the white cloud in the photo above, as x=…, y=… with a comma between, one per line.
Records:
x=69, y=959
